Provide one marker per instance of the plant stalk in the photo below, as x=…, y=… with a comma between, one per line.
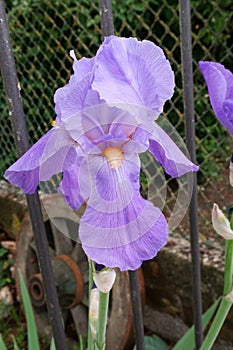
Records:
x=90, y=341
x=217, y=324
x=228, y=267
x=102, y=321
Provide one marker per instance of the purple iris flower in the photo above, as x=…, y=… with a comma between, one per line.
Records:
x=105, y=119
x=219, y=81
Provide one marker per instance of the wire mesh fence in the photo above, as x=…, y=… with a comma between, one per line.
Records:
x=44, y=31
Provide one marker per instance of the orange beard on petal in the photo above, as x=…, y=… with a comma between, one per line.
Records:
x=114, y=156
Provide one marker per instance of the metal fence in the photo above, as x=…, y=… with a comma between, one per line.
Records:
x=44, y=31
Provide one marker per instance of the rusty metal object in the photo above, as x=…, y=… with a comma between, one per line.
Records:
x=36, y=290
x=68, y=280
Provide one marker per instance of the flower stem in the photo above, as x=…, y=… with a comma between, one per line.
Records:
x=216, y=326
x=228, y=267
x=90, y=341
x=102, y=321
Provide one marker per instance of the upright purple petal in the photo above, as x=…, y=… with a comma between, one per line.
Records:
x=119, y=228
x=102, y=120
x=47, y=157
x=219, y=81
x=132, y=72
x=70, y=99
x=82, y=67
x=77, y=94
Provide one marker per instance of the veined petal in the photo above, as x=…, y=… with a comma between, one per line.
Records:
x=95, y=125
x=219, y=81
x=117, y=219
x=70, y=99
x=81, y=67
x=75, y=184
x=44, y=159
x=167, y=153
x=77, y=94
x=133, y=72
x=130, y=256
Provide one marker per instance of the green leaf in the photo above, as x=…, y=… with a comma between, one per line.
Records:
x=3, y=251
x=154, y=343
x=15, y=344
x=2, y=344
x=52, y=345
x=33, y=342
x=187, y=341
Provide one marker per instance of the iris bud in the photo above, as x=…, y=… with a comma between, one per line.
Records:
x=104, y=279
x=231, y=171
x=93, y=311
x=230, y=296
x=220, y=223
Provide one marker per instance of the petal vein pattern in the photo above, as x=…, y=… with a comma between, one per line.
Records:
x=49, y=156
x=167, y=153
x=117, y=216
x=133, y=72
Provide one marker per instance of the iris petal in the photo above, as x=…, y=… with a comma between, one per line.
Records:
x=47, y=157
x=100, y=120
x=132, y=72
x=220, y=87
x=117, y=216
x=168, y=154
x=142, y=244
x=70, y=99
x=81, y=67
x=75, y=186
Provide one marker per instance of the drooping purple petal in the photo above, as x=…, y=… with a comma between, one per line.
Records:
x=131, y=255
x=132, y=72
x=47, y=157
x=117, y=219
x=219, y=81
x=75, y=184
x=166, y=152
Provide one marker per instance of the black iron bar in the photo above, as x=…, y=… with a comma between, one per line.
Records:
x=16, y=113
x=106, y=18
x=107, y=26
x=187, y=75
x=137, y=309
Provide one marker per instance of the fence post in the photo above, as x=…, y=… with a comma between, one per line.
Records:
x=106, y=18
x=187, y=77
x=10, y=82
